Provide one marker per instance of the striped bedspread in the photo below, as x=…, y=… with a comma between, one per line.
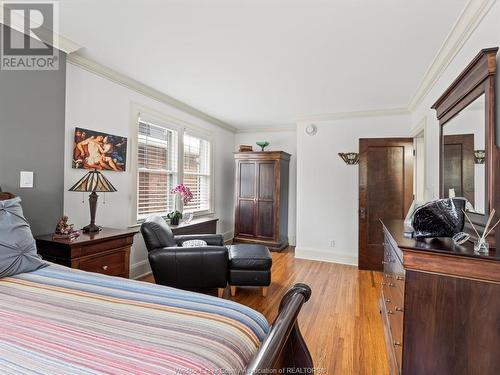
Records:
x=62, y=321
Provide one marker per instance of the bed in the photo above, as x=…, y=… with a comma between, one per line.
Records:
x=58, y=320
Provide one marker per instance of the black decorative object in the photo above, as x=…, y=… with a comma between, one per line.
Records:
x=439, y=218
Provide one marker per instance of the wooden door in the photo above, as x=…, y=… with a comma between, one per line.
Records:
x=385, y=192
x=266, y=199
x=458, y=165
x=246, y=196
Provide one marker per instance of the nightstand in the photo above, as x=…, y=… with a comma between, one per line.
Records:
x=106, y=252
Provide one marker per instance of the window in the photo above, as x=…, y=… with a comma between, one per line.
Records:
x=197, y=172
x=163, y=162
x=157, y=169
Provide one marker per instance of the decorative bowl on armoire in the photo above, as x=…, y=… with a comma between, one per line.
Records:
x=262, y=144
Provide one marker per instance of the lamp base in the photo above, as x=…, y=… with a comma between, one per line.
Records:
x=91, y=228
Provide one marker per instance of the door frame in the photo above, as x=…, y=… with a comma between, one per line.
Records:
x=420, y=190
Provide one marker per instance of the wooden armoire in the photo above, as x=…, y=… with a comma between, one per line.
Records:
x=261, y=205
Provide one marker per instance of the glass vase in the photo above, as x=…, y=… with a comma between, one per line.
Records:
x=481, y=246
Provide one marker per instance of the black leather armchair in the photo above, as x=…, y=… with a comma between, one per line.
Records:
x=185, y=267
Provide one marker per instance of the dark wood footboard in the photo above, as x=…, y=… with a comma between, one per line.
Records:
x=284, y=348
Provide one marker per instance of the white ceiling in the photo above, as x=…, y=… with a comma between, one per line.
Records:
x=265, y=63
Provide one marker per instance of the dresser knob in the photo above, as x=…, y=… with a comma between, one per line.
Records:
x=388, y=276
x=400, y=278
x=383, y=284
x=396, y=343
x=105, y=268
x=392, y=285
x=390, y=312
x=400, y=309
x=387, y=300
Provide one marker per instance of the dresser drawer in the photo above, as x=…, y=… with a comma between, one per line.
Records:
x=112, y=264
x=393, y=289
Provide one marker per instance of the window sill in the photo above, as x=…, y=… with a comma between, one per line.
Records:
x=197, y=215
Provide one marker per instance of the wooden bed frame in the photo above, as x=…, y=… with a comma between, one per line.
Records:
x=284, y=350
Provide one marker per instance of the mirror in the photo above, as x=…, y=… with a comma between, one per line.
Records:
x=463, y=156
x=469, y=154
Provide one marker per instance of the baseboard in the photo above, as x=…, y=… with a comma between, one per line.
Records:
x=228, y=236
x=140, y=269
x=140, y=277
x=328, y=255
x=292, y=240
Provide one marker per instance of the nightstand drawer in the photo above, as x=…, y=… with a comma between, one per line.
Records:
x=111, y=264
x=99, y=247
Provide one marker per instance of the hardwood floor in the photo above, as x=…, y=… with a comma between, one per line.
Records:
x=341, y=322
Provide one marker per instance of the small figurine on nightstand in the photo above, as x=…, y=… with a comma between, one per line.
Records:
x=65, y=230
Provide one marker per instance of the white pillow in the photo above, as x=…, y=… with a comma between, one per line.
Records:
x=194, y=243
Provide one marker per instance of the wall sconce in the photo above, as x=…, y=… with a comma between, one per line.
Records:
x=479, y=156
x=350, y=158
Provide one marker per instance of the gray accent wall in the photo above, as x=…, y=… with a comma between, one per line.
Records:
x=32, y=115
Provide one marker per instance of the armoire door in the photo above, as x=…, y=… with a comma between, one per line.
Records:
x=245, y=209
x=265, y=200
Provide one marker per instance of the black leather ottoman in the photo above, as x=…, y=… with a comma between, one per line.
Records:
x=249, y=265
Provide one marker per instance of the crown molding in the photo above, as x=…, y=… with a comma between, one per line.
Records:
x=467, y=22
x=265, y=130
x=354, y=114
x=132, y=84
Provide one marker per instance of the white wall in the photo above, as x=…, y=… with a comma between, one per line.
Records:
x=327, y=188
x=285, y=140
x=96, y=103
x=486, y=35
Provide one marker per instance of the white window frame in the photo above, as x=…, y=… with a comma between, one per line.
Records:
x=207, y=137
x=140, y=112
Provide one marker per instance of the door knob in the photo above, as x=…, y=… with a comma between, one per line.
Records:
x=362, y=213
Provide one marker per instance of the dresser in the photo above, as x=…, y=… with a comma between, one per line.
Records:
x=440, y=306
x=106, y=251
x=261, y=205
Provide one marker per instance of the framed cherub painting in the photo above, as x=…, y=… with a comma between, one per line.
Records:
x=101, y=151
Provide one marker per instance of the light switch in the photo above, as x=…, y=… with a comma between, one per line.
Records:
x=26, y=179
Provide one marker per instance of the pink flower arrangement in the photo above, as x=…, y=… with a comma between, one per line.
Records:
x=184, y=192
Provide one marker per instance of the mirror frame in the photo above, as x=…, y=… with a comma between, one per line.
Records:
x=477, y=79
